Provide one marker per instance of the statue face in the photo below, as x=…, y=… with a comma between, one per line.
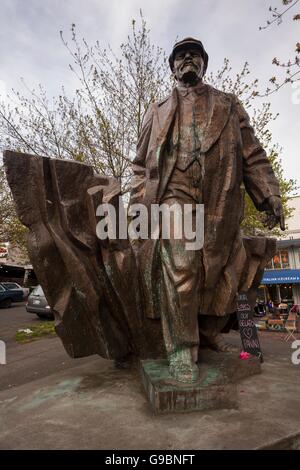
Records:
x=188, y=65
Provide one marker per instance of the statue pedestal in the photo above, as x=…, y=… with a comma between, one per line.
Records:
x=215, y=389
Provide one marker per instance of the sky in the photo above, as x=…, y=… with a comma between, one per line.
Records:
x=30, y=44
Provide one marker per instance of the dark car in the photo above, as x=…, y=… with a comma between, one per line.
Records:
x=14, y=286
x=8, y=296
x=37, y=303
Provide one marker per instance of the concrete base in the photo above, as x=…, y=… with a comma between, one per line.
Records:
x=94, y=406
x=215, y=389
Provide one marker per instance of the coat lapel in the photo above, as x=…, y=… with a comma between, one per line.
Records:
x=166, y=115
x=219, y=106
x=218, y=111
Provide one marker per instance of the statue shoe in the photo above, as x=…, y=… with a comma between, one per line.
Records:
x=125, y=362
x=217, y=343
x=182, y=367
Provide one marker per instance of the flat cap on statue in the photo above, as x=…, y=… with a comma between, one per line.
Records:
x=184, y=44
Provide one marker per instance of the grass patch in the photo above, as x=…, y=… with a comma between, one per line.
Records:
x=36, y=331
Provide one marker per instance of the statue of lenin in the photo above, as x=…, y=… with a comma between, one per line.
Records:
x=197, y=147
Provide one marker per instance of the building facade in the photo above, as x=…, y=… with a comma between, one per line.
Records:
x=14, y=266
x=281, y=280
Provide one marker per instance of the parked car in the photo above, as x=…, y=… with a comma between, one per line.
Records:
x=37, y=303
x=14, y=285
x=7, y=296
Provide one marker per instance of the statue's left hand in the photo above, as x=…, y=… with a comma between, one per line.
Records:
x=275, y=214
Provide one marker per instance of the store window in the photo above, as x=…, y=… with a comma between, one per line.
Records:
x=273, y=293
x=284, y=256
x=286, y=293
x=277, y=261
x=280, y=260
x=270, y=264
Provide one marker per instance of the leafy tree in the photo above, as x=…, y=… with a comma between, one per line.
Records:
x=247, y=92
x=290, y=67
x=101, y=122
x=11, y=229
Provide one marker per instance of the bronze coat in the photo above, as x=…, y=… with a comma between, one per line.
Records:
x=232, y=157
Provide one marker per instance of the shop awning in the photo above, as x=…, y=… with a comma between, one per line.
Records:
x=281, y=276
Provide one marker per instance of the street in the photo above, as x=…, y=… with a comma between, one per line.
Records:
x=50, y=401
x=46, y=356
x=30, y=361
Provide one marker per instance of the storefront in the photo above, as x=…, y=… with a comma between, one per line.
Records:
x=281, y=280
x=282, y=285
x=23, y=275
x=14, y=266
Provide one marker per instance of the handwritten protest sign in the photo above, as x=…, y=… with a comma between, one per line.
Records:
x=247, y=327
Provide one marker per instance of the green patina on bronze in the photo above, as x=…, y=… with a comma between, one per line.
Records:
x=156, y=299
x=211, y=376
x=215, y=388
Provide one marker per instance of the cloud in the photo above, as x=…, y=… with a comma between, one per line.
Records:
x=30, y=45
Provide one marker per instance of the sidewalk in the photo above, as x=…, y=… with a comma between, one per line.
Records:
x=94, y=406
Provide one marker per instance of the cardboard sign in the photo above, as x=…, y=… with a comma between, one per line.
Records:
x=247, y=327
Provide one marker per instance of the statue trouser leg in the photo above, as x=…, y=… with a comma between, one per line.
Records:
x=180, y=295
x=180, y=306
x=210, y=328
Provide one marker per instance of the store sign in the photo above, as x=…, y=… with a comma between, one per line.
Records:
x=283, y=276
x=285, y=279
x=3, y=251
x=247, y=327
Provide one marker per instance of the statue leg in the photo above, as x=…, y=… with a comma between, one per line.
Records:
x=210, y=328
x=180, y=305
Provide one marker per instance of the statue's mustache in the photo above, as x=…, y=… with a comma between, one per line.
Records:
x=188, y=62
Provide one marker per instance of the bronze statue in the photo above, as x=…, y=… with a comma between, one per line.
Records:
x=197, y=147
x=153, y=298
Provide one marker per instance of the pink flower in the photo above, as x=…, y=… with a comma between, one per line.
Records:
x=244, y=355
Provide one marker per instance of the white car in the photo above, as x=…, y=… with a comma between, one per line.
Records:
x=14, y=285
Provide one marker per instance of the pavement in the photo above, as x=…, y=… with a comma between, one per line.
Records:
x=49, y=401
x=30, y=361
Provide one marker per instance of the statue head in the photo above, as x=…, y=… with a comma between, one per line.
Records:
x=188, y=61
